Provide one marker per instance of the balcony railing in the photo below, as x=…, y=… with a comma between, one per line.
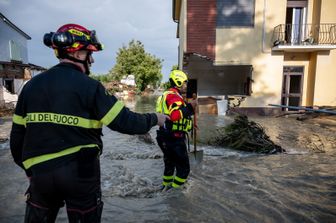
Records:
x=304, y=34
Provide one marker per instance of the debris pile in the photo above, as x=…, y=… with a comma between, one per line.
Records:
x=245, y=135
x=7, y=102
x=120, y=90
x=6, y=111
x=112, y=86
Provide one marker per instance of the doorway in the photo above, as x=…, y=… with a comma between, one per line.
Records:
x=191, y=87
x=9, y=85
x=296, y=14
x=292, y=86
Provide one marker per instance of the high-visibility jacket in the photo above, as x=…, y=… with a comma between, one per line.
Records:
x=172, y=104
x=63, y=110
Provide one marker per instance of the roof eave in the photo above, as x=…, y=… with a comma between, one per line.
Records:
x=3, y=18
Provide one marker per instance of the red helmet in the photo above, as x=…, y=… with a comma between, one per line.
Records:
x=71, y=38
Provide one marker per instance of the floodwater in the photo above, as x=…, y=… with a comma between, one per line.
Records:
x=228, y=186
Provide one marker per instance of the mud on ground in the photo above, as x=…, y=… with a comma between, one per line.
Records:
x=5, y=127
x=325, y=136
x=313, y=132
x=4, y=112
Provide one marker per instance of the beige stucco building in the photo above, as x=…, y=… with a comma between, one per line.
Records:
x=260, y=52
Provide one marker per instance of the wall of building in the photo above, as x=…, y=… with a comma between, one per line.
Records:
x=7, y=33
x=217, y=80
x=267, y=77
x=328, y=14
x=325, y=84
x=18, y=85
x=301, y=59
x=311, y=80
x=242, y=45
x=201, y=23
x=252, y=46
x=12, y=70
x=245, y=46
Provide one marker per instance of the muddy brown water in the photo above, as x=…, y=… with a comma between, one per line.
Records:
x=228, y=186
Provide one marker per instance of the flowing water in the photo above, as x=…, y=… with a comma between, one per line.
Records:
x=228, y=186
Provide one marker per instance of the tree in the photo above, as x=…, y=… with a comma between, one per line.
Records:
x=101, y=77
x=174, y=67
x=133, y=59
x=167, y=85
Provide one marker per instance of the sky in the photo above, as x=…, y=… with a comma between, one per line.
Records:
x=116, y=22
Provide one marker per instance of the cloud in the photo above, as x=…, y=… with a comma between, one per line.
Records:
x=5, y=2
x=116, y=23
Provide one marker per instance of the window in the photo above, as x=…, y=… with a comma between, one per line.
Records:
x=235, y=13
x=14, y=50
x=296, y=29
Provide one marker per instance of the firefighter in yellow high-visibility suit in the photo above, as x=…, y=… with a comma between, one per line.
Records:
x=171, y=137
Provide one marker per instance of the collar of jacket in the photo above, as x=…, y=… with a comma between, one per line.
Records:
x=70, y=65
x=175, y=90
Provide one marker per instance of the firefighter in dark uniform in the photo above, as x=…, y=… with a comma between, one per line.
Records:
x=172, y=136
x=57, y=129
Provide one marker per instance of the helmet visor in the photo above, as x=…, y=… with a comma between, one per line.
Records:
x=94, y=41
x=90, y=41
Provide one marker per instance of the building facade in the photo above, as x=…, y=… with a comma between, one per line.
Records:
x=259, y=52
x=15, y=70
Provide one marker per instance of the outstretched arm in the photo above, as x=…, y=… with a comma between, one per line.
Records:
x=116, y=116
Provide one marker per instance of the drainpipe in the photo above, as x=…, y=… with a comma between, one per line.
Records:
x=264, y=29
x=173, y=9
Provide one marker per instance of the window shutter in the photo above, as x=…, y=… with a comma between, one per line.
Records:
x=296, y=4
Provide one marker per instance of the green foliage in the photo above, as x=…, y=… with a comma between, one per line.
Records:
x=166, y=85
x=174, y=67
x=133, y=59
x=102, y=77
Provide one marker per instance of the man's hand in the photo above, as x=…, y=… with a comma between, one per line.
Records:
x=194, y=101
x=161, y=119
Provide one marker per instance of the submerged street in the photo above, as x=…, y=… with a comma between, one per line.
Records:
x=228, y=186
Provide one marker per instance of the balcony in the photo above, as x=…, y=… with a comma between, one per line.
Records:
x=304, y=37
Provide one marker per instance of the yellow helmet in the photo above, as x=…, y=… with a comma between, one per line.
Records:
x=178, y=77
